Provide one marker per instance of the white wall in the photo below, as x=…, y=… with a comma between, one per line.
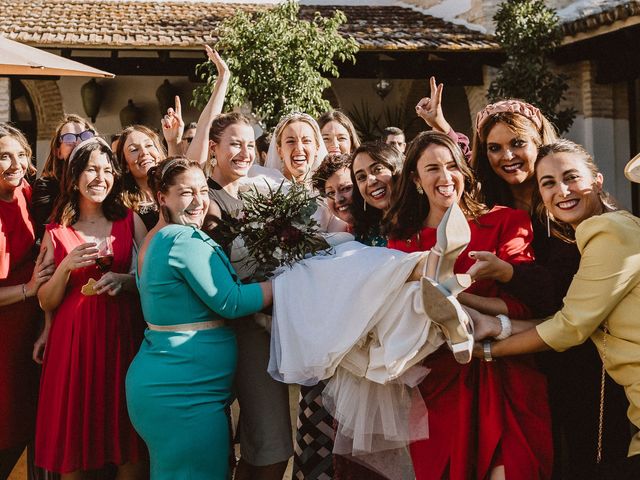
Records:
x=608, y=141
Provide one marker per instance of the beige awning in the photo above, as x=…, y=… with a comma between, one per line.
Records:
x=19, y=59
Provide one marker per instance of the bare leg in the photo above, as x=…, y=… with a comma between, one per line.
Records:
x=77, y=475
x=8, y=459
x=132, y=471
x=497, y=473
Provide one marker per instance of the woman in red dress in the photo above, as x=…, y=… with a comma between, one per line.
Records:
x=19, y=313
x=82, y=421
x=486, y=420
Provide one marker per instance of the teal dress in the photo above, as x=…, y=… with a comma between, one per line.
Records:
x=180, y=381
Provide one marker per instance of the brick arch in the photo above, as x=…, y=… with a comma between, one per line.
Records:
x=47, y=101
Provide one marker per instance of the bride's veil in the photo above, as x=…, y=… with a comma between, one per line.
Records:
x=273, y=157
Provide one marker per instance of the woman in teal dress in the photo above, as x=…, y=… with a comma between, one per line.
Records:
x=180, y=381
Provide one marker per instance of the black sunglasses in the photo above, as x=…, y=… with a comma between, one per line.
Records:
x=75, y=137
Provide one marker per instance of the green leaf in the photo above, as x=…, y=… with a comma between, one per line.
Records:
x=277, y=61
x=528, y=31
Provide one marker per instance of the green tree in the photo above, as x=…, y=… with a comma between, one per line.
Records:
x=277, y=61
x=528, y=31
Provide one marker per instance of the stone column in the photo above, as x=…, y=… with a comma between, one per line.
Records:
x=5, y=100
x=602, y=126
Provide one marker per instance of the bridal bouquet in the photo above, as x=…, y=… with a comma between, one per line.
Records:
x=276, y=227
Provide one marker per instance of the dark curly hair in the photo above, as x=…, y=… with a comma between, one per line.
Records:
x=330, y=165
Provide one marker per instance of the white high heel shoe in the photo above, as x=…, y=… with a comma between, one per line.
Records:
x=439, y=285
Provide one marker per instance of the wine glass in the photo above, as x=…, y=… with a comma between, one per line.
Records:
x=105, y=255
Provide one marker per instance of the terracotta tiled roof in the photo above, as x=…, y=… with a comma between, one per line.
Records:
x=187, y=25
x=606, y=16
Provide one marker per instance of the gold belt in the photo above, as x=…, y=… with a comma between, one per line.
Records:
x=187, y=327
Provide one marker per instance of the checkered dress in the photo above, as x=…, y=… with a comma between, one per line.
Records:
x=312, y=459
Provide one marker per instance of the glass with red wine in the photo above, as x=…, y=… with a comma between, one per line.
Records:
x=105, y=255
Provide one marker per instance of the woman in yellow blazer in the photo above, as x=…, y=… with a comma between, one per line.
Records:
x=603, y=302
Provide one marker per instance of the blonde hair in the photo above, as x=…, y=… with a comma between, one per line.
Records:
x=294, y=118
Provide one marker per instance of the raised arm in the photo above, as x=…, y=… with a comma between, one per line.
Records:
x=173, y=128
x=199, y=148
x=430, y=110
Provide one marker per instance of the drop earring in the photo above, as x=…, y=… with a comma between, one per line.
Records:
x=548, y=223
x=364, y=205
x=419, y=189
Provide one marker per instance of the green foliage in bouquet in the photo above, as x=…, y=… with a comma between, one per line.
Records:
x=277, y=227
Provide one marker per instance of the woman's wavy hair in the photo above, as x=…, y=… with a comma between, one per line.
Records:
x=131, y=192
x=367, y=222
x=330, y=165
x=67, y=209
x=345, y=121
x=7, y=130
x=557, y=228
x=409, y=209
x=495, y=191
x=53, y=165
x=162, y=176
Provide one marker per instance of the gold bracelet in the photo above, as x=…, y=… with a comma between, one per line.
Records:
x=24, y=292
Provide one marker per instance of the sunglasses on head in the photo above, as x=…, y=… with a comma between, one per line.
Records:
x=77, y=137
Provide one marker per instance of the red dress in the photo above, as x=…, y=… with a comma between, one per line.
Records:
x=485, y=414
x=18, y=324
x=82, y=414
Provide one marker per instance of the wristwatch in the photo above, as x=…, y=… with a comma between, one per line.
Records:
x=505, y=323
x=486, y=350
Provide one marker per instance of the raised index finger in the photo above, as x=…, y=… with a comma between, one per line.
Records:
x=178, y=107
x=439, y=93
x=434, y=87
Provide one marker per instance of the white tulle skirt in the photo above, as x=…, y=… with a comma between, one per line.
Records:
x=352, y=317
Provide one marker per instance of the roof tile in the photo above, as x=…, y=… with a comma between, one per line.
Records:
x=602, y=18
x=73, y=23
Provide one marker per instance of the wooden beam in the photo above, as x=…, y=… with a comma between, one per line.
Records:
x=451, y=68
